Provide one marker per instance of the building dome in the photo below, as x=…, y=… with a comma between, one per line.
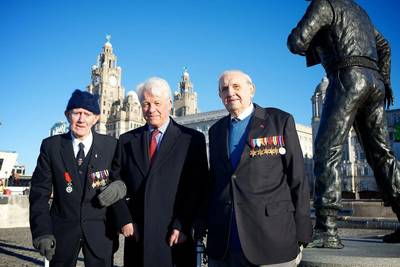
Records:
x=321, y=87
x=133, y=95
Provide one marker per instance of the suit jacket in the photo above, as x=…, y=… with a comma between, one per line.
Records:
x=164, y=195
x=269, y=192
x=71, y=214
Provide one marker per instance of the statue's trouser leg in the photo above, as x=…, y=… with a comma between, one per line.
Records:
x=370, y=125
x=340, y=107
x=346, y=91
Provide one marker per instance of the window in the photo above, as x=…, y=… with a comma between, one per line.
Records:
x=366, y=171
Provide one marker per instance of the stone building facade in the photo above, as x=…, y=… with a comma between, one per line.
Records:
x=118, y=113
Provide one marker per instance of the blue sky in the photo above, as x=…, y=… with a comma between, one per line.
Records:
x=48, y=48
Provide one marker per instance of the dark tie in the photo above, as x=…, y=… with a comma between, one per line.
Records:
x=153, y=144
x=81, y=154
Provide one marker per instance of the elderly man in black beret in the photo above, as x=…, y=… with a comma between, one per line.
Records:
x=75, y=168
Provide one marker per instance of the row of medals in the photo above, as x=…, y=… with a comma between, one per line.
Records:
x=267, y=151
x=97, y=181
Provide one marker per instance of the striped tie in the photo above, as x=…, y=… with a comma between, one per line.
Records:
x=81, y=154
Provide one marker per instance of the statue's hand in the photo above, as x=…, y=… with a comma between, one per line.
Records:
x=389, y=99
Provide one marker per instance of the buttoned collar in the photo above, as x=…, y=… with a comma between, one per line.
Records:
x=87, y=142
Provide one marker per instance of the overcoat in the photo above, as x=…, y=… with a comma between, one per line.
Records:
x=267, y=191
x=77, y=214
x=164, y=195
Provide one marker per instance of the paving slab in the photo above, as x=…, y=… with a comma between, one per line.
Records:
x=359, y=251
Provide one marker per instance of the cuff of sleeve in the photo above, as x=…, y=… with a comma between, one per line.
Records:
x=304, y=229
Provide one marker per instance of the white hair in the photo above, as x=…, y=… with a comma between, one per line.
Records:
x=155, y=86
x=245, y=75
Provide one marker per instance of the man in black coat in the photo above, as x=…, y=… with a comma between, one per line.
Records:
x=73, y=167
x=340, y=35
x=164, y=166
x=259, y=208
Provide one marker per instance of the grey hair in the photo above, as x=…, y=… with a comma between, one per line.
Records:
x=156, y=86
x=245, y=75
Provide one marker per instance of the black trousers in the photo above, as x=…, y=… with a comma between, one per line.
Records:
x=354, y=97
x=69, y=257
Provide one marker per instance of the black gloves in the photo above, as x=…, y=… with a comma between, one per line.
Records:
x=112, y=193
x=46, y=244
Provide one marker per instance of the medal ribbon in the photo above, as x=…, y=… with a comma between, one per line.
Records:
x=67, y=178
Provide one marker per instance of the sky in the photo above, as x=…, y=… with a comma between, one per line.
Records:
x=47, y=49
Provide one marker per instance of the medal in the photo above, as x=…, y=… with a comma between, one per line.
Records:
x=69, y=188
x=282, y=150
x=68, y=179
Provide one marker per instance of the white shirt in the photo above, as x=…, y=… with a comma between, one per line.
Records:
x=87, y=142
x=246, y=112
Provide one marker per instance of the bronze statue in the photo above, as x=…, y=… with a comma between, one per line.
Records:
x=340, y=35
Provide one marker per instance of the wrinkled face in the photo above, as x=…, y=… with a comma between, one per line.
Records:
x=156, y=108
x=81, y=121
x=236, y=92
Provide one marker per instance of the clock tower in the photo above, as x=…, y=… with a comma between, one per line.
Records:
x=106, y=82
x=185, y=100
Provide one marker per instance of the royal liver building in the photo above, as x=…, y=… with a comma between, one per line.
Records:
x=118, y=113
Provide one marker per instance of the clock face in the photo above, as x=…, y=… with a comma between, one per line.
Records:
x=112, y=80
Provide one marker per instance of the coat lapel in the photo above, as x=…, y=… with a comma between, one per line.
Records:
x=93, y=165
x=140, y=150
x=258, y=128
x=258, y=125
x=169, y=140
x=223, y=138
x=67, y=155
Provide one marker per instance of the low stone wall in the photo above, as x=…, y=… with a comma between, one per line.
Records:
x=368, y=209
x=14, y=211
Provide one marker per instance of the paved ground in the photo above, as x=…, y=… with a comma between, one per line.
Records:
x=16, y=246
x=362, y=248
x=16, y=249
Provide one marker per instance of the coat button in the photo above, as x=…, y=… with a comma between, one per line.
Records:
x=234, y=176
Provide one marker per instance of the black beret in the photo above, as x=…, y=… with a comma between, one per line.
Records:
x=85, y=100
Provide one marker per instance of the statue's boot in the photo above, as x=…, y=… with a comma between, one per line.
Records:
x=395, y=236
x=325, y=230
